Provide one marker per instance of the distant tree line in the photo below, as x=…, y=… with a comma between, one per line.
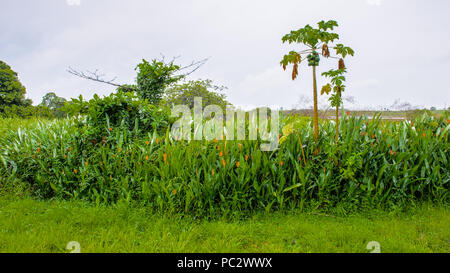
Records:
x=13, y=102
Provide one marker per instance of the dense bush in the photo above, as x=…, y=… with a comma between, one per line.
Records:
x=99, y=117
x=375, y=164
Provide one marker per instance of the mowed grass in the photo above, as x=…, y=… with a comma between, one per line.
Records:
x=27, y=225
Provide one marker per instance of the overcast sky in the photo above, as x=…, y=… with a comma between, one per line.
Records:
x=402, y=46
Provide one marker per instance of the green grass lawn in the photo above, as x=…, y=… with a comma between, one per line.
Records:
x=28, y=225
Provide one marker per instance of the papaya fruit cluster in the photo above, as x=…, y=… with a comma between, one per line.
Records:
x=313, y=59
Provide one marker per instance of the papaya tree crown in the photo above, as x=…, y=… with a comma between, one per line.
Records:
x=313, y=36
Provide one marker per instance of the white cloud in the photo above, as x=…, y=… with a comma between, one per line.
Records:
x=73, y=2
x=374, y=2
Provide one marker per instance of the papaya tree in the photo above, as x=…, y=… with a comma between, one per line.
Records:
x=336, y=86
x=314, y=39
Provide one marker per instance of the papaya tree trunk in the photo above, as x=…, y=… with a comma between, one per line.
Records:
x=337, y=124
x=337, y=117
x=316, y=115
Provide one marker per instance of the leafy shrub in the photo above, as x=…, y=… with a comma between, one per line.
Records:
x=118, y=111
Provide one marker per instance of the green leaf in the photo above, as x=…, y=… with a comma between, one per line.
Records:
x=292, y=187
x=326, y=89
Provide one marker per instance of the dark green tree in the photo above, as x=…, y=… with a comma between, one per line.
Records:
x=12, y=92
x=184, y=94
x=54, y=103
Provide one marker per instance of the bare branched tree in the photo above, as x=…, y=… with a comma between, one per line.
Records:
x=97, y=77
x=194, y=66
